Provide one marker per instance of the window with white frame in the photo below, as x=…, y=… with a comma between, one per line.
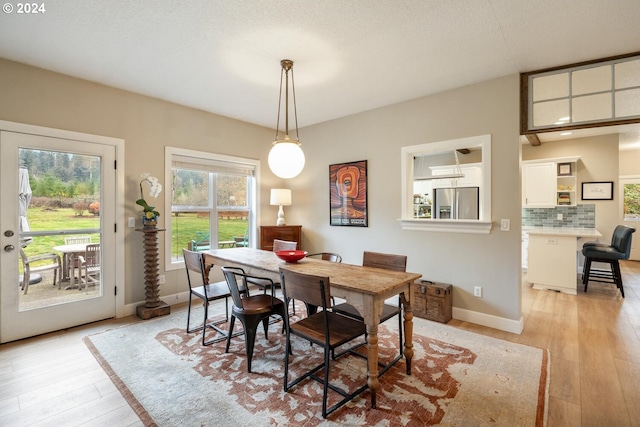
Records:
x=212, y=199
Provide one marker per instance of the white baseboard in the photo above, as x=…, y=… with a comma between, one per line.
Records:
x=507, y=325
x=179, y=298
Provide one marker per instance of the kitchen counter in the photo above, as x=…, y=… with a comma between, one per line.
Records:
x=553, y=256
x=562, y=231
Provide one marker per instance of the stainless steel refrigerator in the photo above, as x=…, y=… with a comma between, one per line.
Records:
x=457, y=203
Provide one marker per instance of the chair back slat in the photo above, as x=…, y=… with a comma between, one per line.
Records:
x=194, y=262
x=284, y=245
x=92, y=255
x=237, y=281
x=314, y=290
x=387, y=261
x=77, y=239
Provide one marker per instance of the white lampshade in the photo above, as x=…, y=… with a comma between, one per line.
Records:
x=286, y=159
x=280, y=196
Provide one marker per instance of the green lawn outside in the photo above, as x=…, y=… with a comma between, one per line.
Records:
x=184, y=227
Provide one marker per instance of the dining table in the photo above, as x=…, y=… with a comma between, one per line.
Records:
x=70, y=253
x=365, y=288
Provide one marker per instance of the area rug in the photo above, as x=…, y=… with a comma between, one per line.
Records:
x=458, y=379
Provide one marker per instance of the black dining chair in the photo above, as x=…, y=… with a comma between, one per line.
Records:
x=324, y=328
x=250, y=309
x=326, y=256
x=619, y=249
x=278, y=245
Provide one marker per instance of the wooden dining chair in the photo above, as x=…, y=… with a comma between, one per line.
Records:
x=207, y=292
x=324, y=328
x=251, y=310
x=388, y=262
x=34, y=264
x=89, y=266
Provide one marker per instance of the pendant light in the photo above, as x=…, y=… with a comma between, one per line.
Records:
x=286, y=159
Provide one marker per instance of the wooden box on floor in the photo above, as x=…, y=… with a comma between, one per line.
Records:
x=432, y=301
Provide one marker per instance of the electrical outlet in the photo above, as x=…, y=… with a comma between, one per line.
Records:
x=132, y=222
x=505, y=224
x=477, y=291
x=161, y=279
x=560, y=217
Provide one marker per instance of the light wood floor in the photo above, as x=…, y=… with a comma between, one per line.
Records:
x=594, y=340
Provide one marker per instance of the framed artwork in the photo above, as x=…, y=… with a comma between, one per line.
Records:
x=564, y=169
x=348, y=194
x=597, y=190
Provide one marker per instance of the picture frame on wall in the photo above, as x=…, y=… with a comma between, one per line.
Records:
x=597, y=190
x=348, y=194
x=564, y=169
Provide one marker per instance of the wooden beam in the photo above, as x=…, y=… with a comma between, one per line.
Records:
x=533, y=139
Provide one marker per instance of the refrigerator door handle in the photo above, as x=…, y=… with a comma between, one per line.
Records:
x=454, y=214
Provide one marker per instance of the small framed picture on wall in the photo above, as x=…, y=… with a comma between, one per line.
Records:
x=564, y=169
x=597, y=190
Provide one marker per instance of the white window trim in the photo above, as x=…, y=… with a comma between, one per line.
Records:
x=169, y=152
x=481, y=226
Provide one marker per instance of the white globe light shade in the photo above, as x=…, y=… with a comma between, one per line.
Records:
x=286, y=159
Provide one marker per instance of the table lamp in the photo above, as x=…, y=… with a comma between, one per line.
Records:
x=280, y=197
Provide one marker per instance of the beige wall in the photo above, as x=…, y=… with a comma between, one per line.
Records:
x=629, y=162
x=43, y=98
x=464, y=260
x=147, y=125
x=598, y=162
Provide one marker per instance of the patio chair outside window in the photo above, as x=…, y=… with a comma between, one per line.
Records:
x=32, y=265
x=90, y=266
x=201, y=242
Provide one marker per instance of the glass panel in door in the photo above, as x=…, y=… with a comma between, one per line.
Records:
x=59, y=222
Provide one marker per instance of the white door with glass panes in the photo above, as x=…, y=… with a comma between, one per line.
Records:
x=57, y=222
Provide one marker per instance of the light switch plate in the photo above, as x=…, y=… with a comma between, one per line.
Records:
x=132, y=222
x=505, y=224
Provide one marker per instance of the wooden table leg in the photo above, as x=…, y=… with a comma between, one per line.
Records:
x=372, y=358
x=408, y=336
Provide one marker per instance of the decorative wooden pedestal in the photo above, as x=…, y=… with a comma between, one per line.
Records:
x=154, y=306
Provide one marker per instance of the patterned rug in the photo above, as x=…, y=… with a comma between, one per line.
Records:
x=458, y=379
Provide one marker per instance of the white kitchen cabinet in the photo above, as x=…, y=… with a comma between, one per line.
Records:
x=545, y=184
x=472, y=176
x=553, y=256
x=539, y=185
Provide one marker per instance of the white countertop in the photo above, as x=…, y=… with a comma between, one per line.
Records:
x=562, y=231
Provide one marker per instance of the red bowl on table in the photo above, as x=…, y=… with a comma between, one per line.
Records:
x=291, y=256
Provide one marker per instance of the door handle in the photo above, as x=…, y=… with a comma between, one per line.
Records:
x=9, y=248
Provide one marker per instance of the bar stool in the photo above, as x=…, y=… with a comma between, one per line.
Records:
x=619, y=249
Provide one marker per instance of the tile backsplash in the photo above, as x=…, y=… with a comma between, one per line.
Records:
x=582, y=216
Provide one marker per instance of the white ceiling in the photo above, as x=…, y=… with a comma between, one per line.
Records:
x=350, y=56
